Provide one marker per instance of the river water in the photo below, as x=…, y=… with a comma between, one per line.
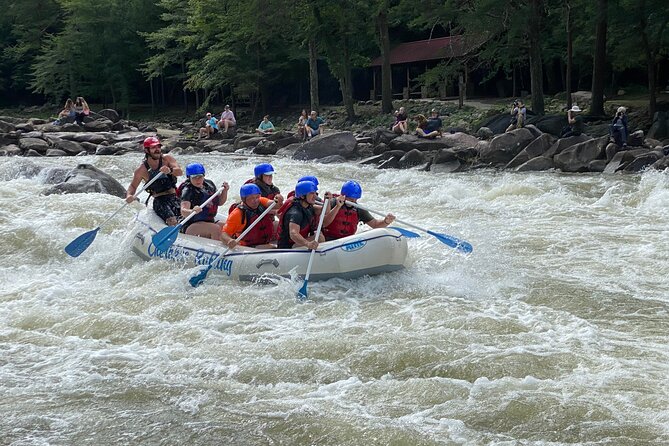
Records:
x=553, y=331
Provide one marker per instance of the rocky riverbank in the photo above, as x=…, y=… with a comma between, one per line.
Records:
x=462, y=147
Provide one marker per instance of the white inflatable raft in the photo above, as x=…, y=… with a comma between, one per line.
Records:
x=367, y=253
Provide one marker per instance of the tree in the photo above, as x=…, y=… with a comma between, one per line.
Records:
x=384, y=45
x=599, y=63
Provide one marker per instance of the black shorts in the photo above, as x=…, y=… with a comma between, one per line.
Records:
x=167, y=206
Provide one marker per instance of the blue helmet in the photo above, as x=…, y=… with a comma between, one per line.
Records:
x=194, y=169
x=351, y=189
x=303, y=188
x=249, y=189
x=311, y=178
x=263, y=169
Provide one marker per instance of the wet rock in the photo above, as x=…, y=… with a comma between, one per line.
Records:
x=32, y=152
x=536, y=164
x=534, y=149
x=406, y=143
x=332, y=159
x=69, y=147
x=642, y=161
x=564, y=143
x=6, y=127
x=448, y=167
x=484, y=133
x=392, y=163
x=552, y=124
x=87, y=178
x=412, y=158
x=25, y=127
x=380, y=148
x=100, y=125
x=371, y=160
x=289, y=151
x=55, y=152
x=10, y=150
x=597, y=165
x=265, y=147
x=635, y=139
x=578, y=157
x=384, y=136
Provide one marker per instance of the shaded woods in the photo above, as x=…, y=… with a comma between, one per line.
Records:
x=272, y=52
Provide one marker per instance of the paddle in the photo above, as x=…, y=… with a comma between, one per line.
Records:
x=197, y=279
x=164, y=238
x=302, y=292
x=81, y=243
x=453, y=242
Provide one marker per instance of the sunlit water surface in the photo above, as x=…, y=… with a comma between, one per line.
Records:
x=554, y=331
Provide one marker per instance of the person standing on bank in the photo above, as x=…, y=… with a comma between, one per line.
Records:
x=165, y=201
x=342, y=220
x=195, y=191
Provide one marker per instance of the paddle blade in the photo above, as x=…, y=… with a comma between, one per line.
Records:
x=453, y=242
x=405, y=232
x=165, y=238
x=197, y=279
x=81, y=243
x=302, y=292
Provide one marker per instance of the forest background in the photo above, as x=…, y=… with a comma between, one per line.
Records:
x=200, y=54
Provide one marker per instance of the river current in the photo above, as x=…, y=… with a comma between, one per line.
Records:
x=553, y=331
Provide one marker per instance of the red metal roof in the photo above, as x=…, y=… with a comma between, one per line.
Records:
x=439, y=48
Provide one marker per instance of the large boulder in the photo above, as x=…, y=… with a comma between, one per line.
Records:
x=36, y=144
x=578, y=157
x=660, y=127
x=412, y=158
x=503, y=148
x=384, y=136
x=534, y=149
x=6, y=127
x=536, y=164
x=552, y=124
x=99, y=125
x=497, y=123
x=69, y=147
x=340, y=143
x=642, y=161
x=408, y=143
x=110, y=114
x=563, y=143
x=265, y=147
x=87, y=178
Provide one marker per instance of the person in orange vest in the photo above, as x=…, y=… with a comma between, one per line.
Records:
x=342, y=220
x=246, y=212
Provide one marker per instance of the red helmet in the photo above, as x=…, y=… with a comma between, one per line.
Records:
x=151, y=141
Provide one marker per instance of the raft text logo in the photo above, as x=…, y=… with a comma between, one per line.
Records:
x=354, y=246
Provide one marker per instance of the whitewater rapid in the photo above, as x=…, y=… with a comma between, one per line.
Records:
x=553, y=331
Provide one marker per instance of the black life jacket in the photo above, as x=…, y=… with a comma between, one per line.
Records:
x=164, y=183
x=309, y=224
x=266, y=190
x=199, y=196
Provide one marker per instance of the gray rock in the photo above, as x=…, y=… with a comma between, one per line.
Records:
x=412, y=158
x=380, y=148
x=660, y=127
x=332, y=159
x=536, y=164
x=86, y=178
x=110, y=114
x=484, y=133
x=265, y=147
x=384, y=136
x=340, y=143
x=55, y=152
x=289, y=151
x=534, y=149
x=578, y=157
x=503, y=148
x=406, y=143
x=32, y=152
x=69, y=147
x=10, y=150
x=100, y=125
x=371, y=160
x=534, y=130
x=448, y=167
x=35, y=144
x=642, y=161
x=636, y=139
x=6, y=127
x=243, y=142
x=392, y=163
x=597, y=165
x=552, y=124
x=25, y=128
x=563, y=143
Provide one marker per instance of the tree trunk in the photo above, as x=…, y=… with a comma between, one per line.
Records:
x=384, y=44
x=346, y=82
x=570, y=53
x=536, y=68
x=313, y=74
x=599, y=63
x=183, y=87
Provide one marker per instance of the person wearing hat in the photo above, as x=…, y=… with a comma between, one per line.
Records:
x=618, y=128
x=518, y=115
x=227, y=119
x=210, y=127
x=575, y=125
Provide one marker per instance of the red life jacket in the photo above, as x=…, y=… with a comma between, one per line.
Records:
x=344, y=224
x=261, y=233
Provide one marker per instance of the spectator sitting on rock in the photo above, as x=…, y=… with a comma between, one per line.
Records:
x=313, y=125
x=66, y=112
x=227, y=119
x=618, y=128
x=265, y=127
x=210, y=127
x=575, y=125
x=301, y=123
x=422, y=128
x=400, y=126
x=518, y=116
x=81, y=110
